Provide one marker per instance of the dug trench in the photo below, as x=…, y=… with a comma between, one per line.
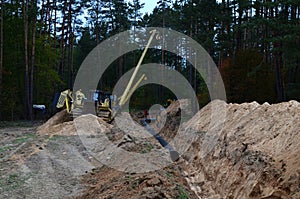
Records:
x=254, y=154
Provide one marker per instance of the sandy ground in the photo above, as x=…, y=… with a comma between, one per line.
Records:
x=35, y=166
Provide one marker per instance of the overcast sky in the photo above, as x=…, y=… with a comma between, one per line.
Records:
x=149, y=5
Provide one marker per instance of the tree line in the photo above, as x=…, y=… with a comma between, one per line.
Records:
x=255, y=45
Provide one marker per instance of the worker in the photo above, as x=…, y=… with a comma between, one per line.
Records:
x=79, y=98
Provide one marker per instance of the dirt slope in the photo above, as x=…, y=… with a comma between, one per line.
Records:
x=256, y=154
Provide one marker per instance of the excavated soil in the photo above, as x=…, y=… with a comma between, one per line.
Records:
x=256, y=153
x=168, y=183
x=253, y=153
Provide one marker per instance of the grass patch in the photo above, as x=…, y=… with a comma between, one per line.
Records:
x=14, y=143
x=5, y=148
x=128, y=177
x=182, y=193
x=20, y=140
x=56, y=137
x=13, y=181
x=31, y=135
x=25, y=138
x=170, y=175
x=148, y=148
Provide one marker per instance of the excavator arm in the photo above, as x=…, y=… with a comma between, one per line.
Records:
x=129, y=90
x=126, y=95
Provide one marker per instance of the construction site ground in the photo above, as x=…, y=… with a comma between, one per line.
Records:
x=254, y=154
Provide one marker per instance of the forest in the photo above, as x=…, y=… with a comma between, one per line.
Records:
x=254, y=43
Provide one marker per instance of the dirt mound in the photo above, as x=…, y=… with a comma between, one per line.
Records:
x=254, y=154
x=62, y=124
x=108, y=183
x=59, y=123
x=58, y=118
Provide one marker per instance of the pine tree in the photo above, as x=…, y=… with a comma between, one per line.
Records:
x=135, y=12
x=1, y=53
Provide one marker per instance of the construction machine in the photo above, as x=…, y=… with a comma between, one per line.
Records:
x=106, y=104
x=72, y=103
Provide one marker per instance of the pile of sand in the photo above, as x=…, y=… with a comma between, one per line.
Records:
x=62, y=123
x=256, y=153
x=59, y=124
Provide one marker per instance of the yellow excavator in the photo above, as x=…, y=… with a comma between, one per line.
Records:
x=106, y=104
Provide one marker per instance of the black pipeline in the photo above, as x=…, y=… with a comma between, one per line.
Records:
x=173, y=154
